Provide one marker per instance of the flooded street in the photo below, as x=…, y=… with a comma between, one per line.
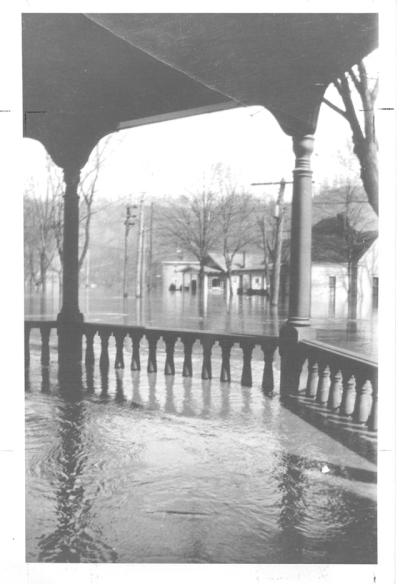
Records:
x=144, y=467
x=250, y=314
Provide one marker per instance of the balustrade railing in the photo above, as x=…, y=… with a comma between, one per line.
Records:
x=129, y=340
x=335, y=379
x=338, y=380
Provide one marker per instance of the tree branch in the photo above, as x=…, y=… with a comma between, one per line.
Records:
x=335, y=108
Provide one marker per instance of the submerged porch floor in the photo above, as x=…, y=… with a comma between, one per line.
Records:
x=151, y=468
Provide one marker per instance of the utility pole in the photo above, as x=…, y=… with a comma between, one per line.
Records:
x=276, y=273
x=139, y=264
x=129, y=222
x=279, y=217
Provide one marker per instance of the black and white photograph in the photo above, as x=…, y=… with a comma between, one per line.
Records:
x=206, y=202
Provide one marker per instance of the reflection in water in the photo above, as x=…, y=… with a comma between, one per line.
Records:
x=152, y=382
x=292, y=507
x=110, y=477
x=240, y=313
x=187, y=406
x=246, y=396
x=225, y=403
x=89, y=378
x=45, y=380
x=137, y=401
x=73, y=539
x=119, y=386
x=206, y=394
x=104, y=383
x=169, y=394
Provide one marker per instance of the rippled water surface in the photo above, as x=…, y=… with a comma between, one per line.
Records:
x=146, y=468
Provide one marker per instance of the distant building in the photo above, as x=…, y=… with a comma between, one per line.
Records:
x=248, y=273
x=330, y=273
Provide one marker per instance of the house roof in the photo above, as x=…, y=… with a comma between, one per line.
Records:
x=330, y=245
x=252, y=261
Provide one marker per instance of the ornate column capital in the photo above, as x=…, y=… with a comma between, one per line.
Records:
x=72, y=175
x=303, y=147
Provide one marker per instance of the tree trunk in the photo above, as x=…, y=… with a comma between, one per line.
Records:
x=201, y=278
x=367, y=153
x=352, y=271
x=43, y=272
x=229, y=277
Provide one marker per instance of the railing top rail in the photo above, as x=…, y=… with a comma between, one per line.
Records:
x=340, y=353
x=257, y=338
x=37, y=323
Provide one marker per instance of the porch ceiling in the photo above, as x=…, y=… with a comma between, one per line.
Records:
x=86, y=75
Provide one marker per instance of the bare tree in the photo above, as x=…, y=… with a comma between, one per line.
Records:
x=40, y=209
x=191, y=223
x=235, y=215
x=353, y=86
x=86, y=191
x=354, y=225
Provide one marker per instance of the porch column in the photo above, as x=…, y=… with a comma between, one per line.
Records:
x=70, y=317
x=300, y=244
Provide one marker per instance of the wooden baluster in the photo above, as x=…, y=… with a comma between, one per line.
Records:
x=135, y=361
x=349, y=398
x=45, y=335
x=104, y=358
x=336, y=390
x=152, y=359
x=226, y=346
x=373, y=418
x=313, y=377
x=89, y=354
x=207, y=344
x=324, y=384
x=268, y=373
x=27, y=331
x=170, y=341
x=363, y=405
x=119, y=355
x=247, y=348
x=188, y=342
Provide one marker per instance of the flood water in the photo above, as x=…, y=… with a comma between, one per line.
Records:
x=244, y=314
x=137, y=467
